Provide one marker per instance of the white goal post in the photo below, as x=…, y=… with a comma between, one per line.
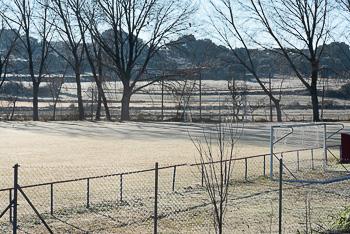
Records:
x=313, y=135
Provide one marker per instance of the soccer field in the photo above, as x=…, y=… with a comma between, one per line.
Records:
x=52, y=151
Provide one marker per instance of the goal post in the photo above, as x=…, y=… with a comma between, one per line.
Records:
x=305, y=135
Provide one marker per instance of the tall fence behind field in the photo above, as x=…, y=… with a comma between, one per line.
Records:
x=167, y=198
x=181, y=101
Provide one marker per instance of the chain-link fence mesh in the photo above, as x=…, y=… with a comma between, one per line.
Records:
x=124, y=201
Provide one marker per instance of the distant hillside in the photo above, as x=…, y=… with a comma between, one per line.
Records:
x=188, y=52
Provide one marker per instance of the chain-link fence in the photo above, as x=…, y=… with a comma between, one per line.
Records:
x=174, y=198
x=181, y=100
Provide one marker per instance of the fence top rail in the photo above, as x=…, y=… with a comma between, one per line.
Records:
x=262, y=155
x=160, y=168
x=299, y=125
x=94, y=177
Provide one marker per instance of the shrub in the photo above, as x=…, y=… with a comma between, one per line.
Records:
x=342, y=222
x=345, y=89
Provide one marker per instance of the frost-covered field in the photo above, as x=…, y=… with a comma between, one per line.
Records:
x=147, y=104
x=50, y=151
x=79, y=146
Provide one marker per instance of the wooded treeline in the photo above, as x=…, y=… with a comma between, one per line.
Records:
x=150, y=40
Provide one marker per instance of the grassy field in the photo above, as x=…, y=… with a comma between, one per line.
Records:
x=66, y=150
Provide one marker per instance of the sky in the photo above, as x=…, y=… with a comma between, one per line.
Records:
x=339, y=21
x=202, y=27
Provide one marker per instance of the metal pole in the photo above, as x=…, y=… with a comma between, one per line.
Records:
x=271, y=151
x=312, y=159
x=88, y=193
x=202, y=182
x=200, y=95
x=51, y=199
x=322, y=105
x=121, y=187
x=10, y=199
x=155, y=227
x=163, y=98
x=271, y=117
x=280, y=197
x=174, y=178
x=92, y=104
x=246, y=169
x=15, y=199
x=325, y=147
x=298, y=161
x=225, y=179
x=264, y=165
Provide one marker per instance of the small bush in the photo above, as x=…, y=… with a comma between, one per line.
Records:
x=15, y=89
x=342, y=222
x=345, y=89
x=294, y=105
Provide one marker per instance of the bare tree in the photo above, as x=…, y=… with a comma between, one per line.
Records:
x=238, y=99
x=344, y=4
x=136, y=31
x=9, y=40
x=70, y=34
x=299, y=29
x=55, y=85
x=93, y=53
x=216, y=155
x=231, y=31
x=31, y=17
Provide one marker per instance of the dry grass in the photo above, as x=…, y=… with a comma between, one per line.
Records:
x=52, y=151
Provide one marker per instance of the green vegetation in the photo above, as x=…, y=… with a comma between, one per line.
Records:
x=342, y=221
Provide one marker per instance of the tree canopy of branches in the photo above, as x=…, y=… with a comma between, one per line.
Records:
x=216, y=153
x=72, y=38
x=6, y=52
x=31, y=19
x=298, y=28
x=231, y=32
x=136, y=31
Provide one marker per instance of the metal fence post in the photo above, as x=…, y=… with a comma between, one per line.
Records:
x=174, y=178
x=280, y=197
x=10, y=198
x=225, y=179
x=162, y=107
x=155, y=216
x=121, y=188
x=264, y=171
x=15, y=199
x=246, y=169
x=92, y=104
x=298, y=161
x=88, y=193
x=51, y=199
x=312, y=160
x=202, y=182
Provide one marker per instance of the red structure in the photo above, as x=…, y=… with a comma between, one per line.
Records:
x=345, y=148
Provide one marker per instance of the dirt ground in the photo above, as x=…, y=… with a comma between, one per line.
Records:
x=49, y=151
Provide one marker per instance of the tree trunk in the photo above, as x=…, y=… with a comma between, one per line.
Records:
x=35, y=101
x=313, y=91
x=101, y=93
x=99, y=104
x=125, y=113
x=315, y=107
x=278, y=110
x=54, y=112
x=80, y=98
